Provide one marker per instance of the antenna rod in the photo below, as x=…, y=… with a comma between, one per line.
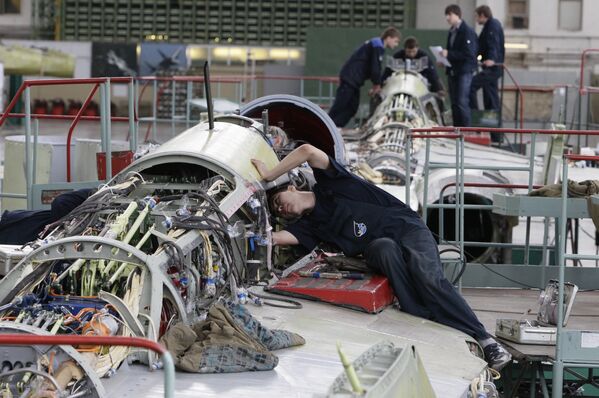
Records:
x=208, y=94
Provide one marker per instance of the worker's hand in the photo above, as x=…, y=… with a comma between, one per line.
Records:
x=374, y=90
x=488, y=63
x=444, y=53
x=261, y=167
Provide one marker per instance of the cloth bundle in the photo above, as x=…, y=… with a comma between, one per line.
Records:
x=229, y=340
x=582, y=189
x=575, y=189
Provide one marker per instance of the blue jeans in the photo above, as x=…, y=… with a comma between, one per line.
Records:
x=459, y=94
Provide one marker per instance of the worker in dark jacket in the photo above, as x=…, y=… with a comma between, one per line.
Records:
x=461, y=51
x=411, y=50
x=492, y=52
x=362, y=219
x=365, y=63
x=18, y=227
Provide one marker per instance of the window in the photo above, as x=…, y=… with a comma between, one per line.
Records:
x=10, y=6
x=570, y=14
x=517, y=14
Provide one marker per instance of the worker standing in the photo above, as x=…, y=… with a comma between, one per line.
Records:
x=492, y=53
x=364, y=63
x=461, y=51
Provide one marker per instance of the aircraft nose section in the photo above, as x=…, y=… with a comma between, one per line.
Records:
x=301, y=119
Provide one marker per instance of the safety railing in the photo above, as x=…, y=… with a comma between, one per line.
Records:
x=173, y=84
x=560, y=363
x=460, y=184
x=167, y=360
x=584, y=90
x=519, y=97
x=105, y=119
x=427, y=134
x=323, y=92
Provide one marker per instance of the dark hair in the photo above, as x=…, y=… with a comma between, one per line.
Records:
x=391, y=31
x=453, y=9
x=410, y=43
x=272, y=195
x=484, y=10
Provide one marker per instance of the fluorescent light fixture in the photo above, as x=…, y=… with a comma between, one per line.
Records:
x=238, y=53
x=259, y=54
x=195, y=53
x=284, y=53
x=516, y=46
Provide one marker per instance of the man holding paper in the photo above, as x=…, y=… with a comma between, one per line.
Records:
x=460, y=54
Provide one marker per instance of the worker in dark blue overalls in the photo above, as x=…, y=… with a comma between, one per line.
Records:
x=18, y=227
x=362, y=219
x=411, y=50
x=365, y=63
x=461, y=52
x=492, y=52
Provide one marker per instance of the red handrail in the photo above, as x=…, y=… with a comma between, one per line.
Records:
x=490, y=185
x=196, y=79
x=537, y=89
x=54, y=82
x=75, y=118
x=19, y=339
x=505, y=68
x=581, y=88
x=74, y=123
x=12, y=103
x=502, y=130
x=453, y=136
x=581, y=157
x=30, y=339
x=44, y=116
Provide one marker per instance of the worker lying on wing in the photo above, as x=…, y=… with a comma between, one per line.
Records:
x=362, y=219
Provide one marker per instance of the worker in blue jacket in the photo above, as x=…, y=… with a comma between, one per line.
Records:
x=461, y=51
x=361, y=219
x=364, y=63
x=492, y=53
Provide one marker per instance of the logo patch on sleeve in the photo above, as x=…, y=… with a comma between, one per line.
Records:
x=359, y=229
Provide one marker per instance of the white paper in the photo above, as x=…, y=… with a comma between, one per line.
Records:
x=436, y=50
x=589, y=340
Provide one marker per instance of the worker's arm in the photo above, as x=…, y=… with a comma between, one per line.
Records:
x=284, y=238
x=493, y=45
x=430, y=73
x=316, y=158
x=376, y=59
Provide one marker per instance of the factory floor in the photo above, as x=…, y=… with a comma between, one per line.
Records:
x=493, y=304
x=309, y=370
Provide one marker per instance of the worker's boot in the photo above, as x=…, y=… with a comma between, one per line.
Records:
x=497, y=356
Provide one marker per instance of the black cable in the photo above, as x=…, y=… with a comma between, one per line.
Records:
x=462, y=260
x=295, y=305
x=486, y=266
